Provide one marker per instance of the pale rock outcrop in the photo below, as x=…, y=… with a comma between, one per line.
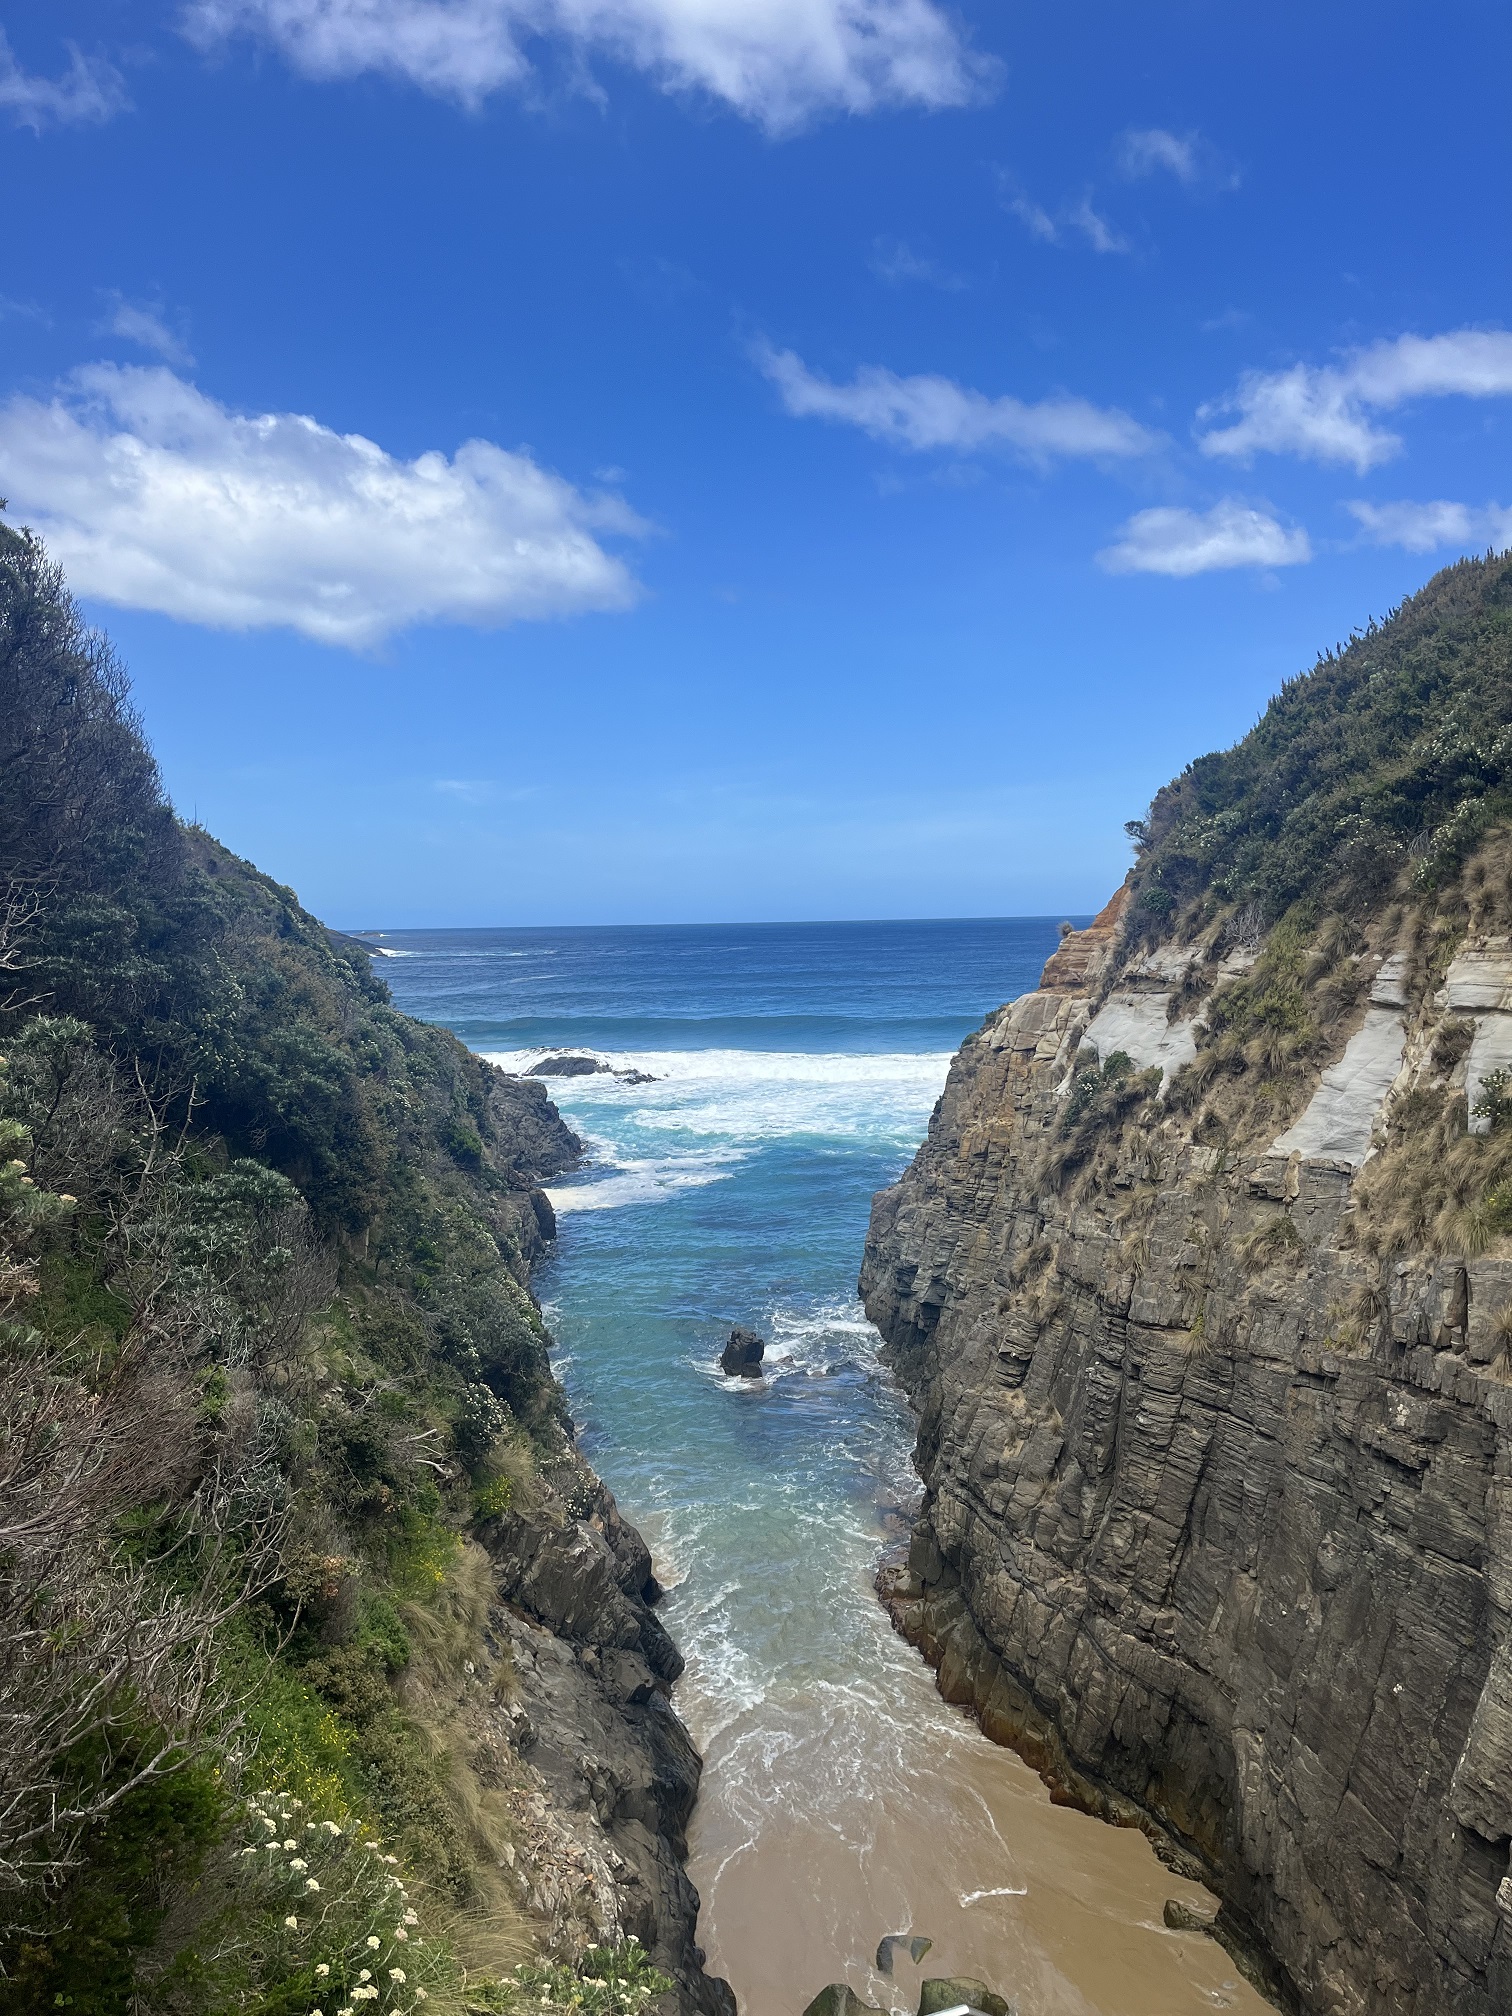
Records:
x=1479, y=984
x=1344, y=1111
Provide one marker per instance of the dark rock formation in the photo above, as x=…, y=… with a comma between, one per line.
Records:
x=741, y=1357
x=535, y=1142
x=593, y=1666
x=636, y=1077
x=1218, y=1516
x=566, y=1064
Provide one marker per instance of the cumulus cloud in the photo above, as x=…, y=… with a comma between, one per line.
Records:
x=88, y=92
x=1424, y=528
x=154, y=496
x=1178, y=542
x=930, y=412
x=777, y=62
x=1323, y=412
x=140, y=323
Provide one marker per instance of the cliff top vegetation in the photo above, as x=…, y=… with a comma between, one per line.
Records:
x=1392, y=757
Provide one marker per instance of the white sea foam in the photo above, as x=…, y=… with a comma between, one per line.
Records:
x=707, y=1109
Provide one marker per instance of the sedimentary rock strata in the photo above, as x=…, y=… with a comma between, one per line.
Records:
x=1218, y=1514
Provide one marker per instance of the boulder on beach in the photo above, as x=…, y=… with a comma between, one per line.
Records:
x=741, y=1358
x=566, y=1064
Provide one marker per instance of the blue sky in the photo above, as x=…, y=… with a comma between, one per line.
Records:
x=614, y=460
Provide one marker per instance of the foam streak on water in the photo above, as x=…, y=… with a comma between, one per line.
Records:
x=842, y=1799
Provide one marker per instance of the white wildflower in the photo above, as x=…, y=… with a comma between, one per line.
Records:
x=297, y=1865
x=410, y=1918
x=397, y=1974
x=292, y=1924
x=367, y=1972
x=269, y=1824
x=322, y=1970
x=249, y=1851
x=330, y=1827
x=311, y=1884
x=291, y=1844
x=392, y=1861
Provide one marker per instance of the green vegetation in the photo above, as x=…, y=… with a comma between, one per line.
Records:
x=267, y=1354
x=1392, y=758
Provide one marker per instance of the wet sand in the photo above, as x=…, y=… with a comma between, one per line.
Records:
x=834, y=1814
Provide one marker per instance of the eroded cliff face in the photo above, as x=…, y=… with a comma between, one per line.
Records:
x=1218, y=1462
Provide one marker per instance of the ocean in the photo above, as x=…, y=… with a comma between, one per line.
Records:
x=787, y=1073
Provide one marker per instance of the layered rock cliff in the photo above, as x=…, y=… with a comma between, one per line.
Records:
x=1202, y=1286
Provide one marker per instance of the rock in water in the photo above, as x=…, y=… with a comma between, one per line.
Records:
x=839, y=2000
x=741, y=1357
x=566, y=1064
x=1181, y=1917
x=951, y=1990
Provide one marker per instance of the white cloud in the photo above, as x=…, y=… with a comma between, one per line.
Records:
x=1324, y=412
x=1097, y=231
x=1037, y=222
x=1179, y=542
x=1144, y=150
x=88, y=92
x=1080, y=217
x=930, y=412
x=895, y=262
x=1195, y=162
x=778, y=62
x=154, y=496
x=137, y=322
x=1424, y=528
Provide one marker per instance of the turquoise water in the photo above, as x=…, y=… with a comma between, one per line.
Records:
x=794, y=1069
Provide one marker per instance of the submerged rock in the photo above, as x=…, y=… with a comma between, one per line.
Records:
x=741, y=1357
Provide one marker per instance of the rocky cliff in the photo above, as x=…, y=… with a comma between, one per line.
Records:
x=1202, y=1286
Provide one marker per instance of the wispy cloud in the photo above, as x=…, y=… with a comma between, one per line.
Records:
x=1155, y=150
x=89, y=91
x=780, y=63
x=897, y=263
x=1323, y=412
x=1097, y=231
x=1426, y=528
x=140, y=323
x=928, y=412
x=154, y=496
x=1177, y=542
x=1071, y=220
x=1036, y=221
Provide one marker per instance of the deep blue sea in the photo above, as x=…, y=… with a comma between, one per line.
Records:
x=793, y=1069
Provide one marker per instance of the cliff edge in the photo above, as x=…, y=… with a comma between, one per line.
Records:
x=1202, y=1287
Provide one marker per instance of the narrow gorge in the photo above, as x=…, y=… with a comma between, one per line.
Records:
x=1202, y=1286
